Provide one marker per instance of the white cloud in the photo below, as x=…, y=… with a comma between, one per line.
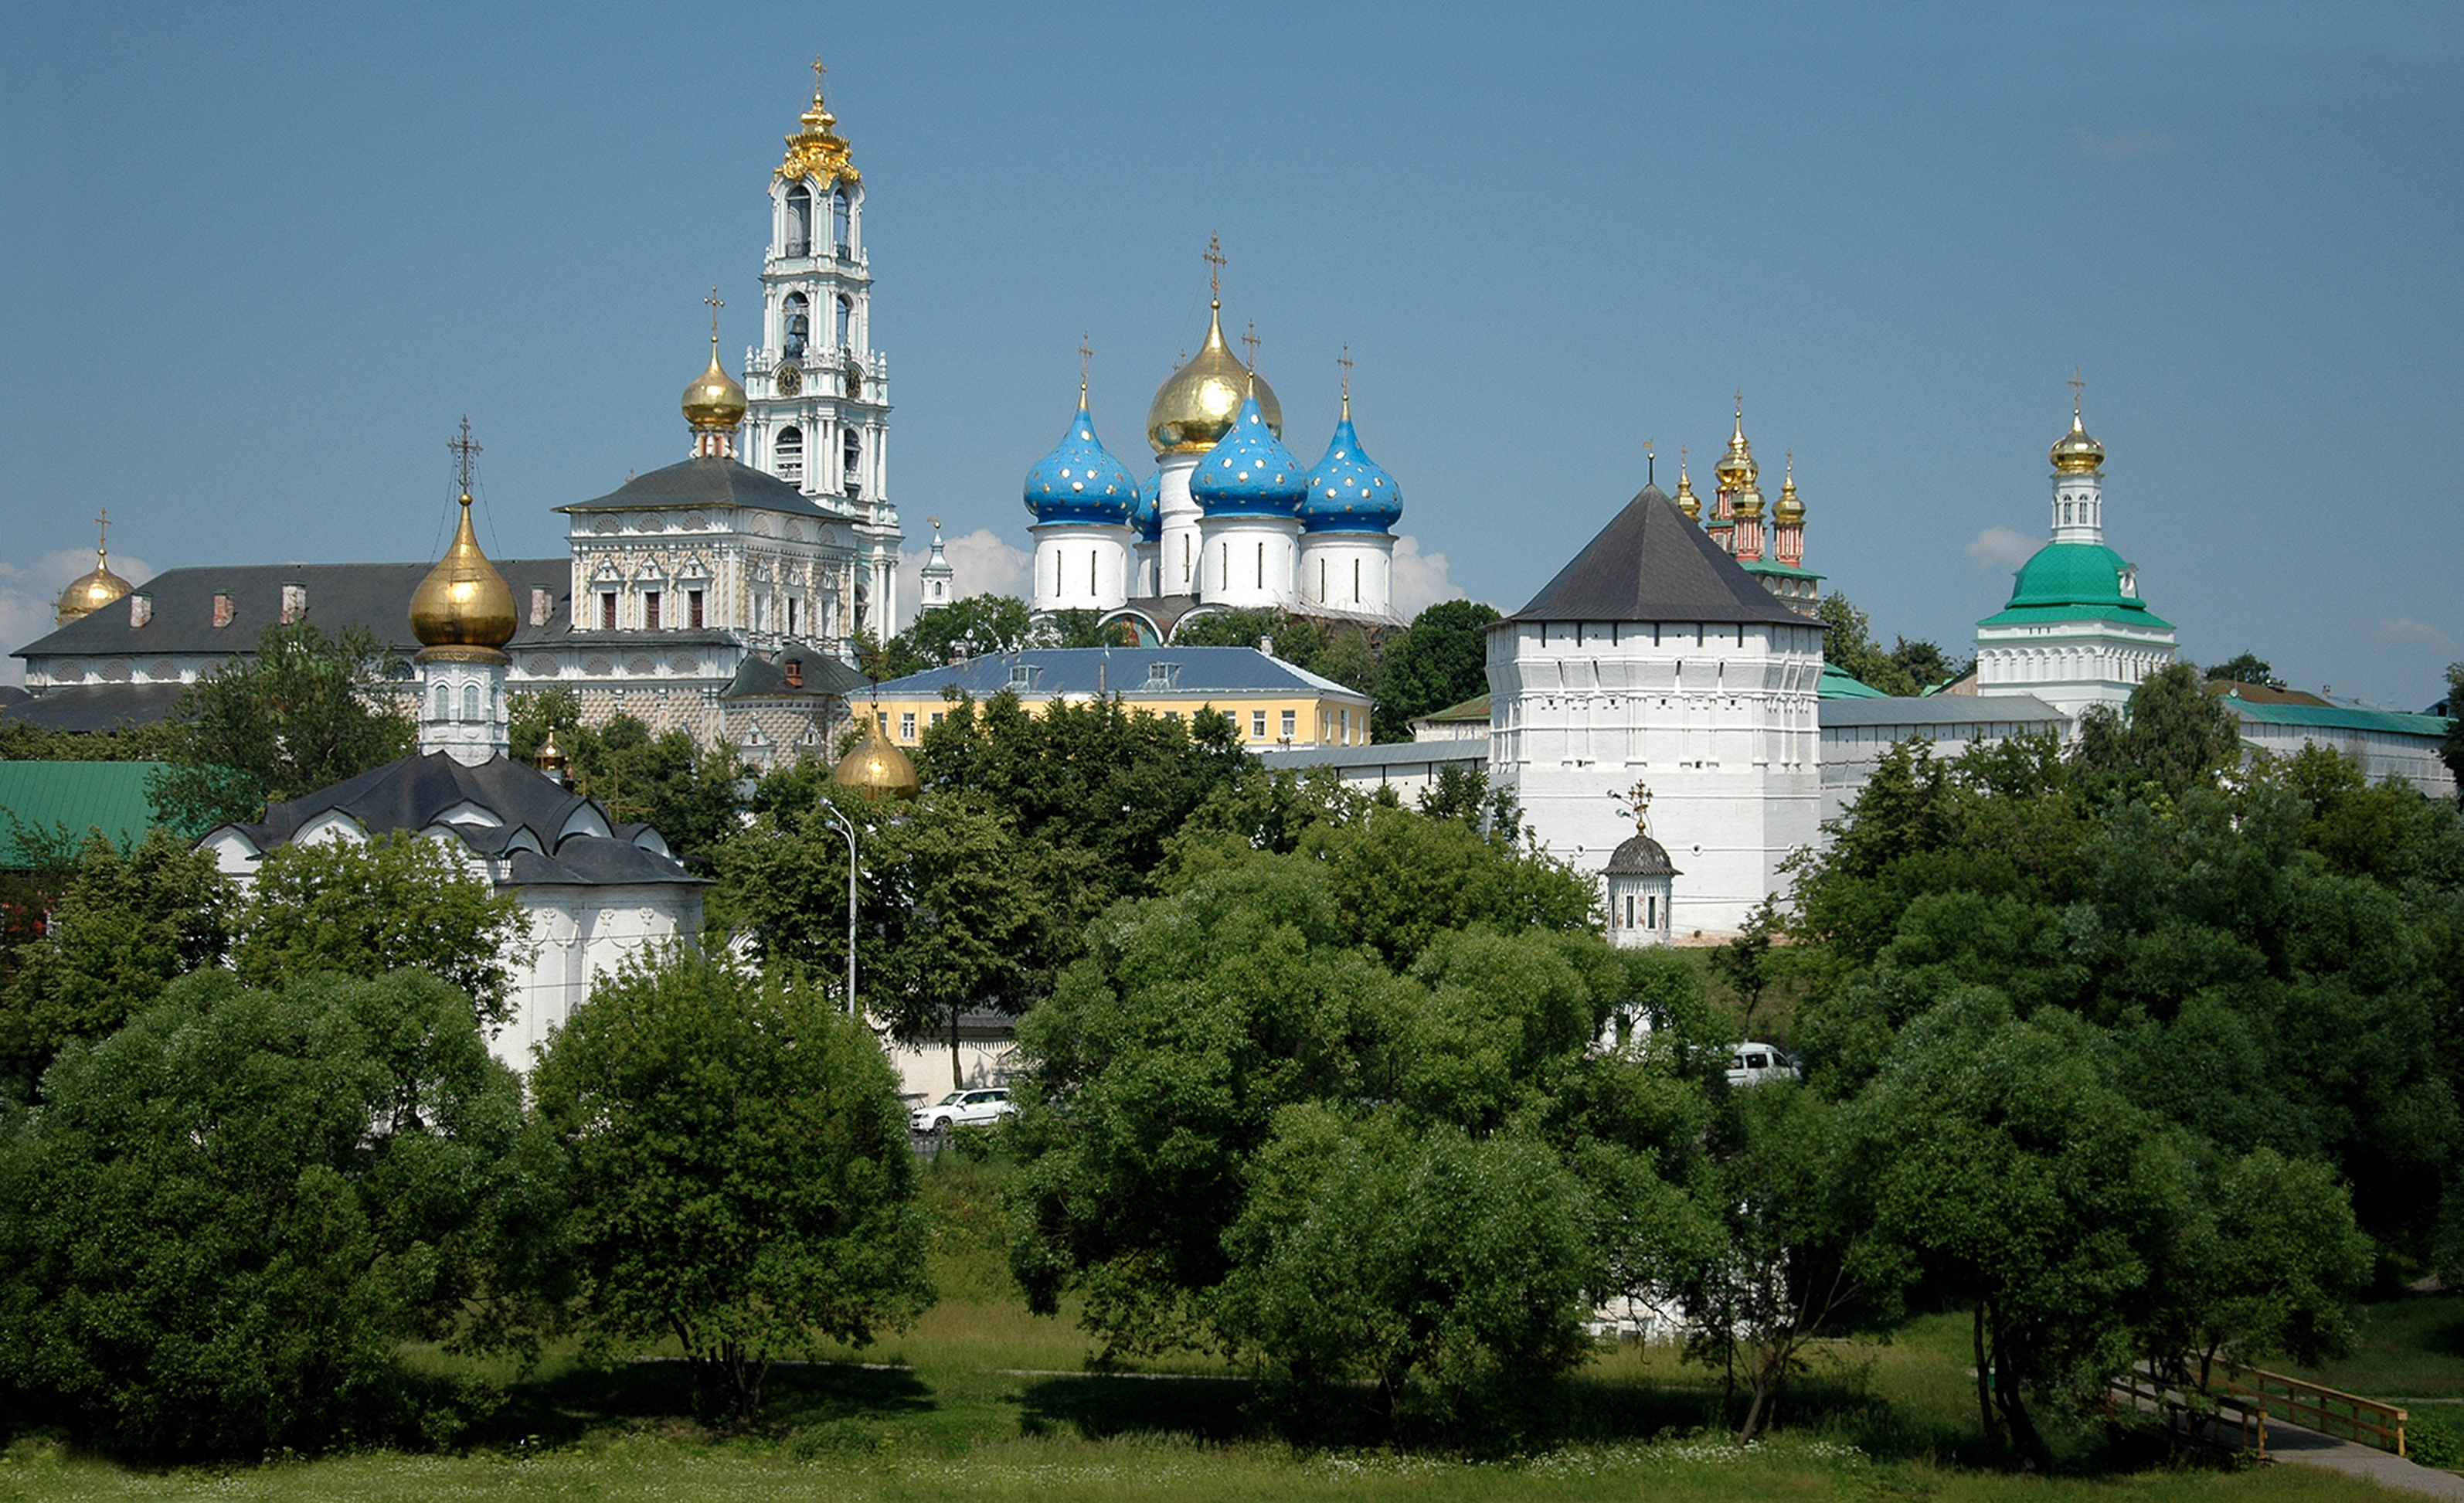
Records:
x=2004, y=547
x=981, y=563
x=29, y=594
x=1419, y=578
x=2404, y=629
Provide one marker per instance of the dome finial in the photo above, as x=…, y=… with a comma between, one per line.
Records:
x=1085, y=363
x=713, y=404
x=2075, y=452
x=464, y=609
x=1215, y=260
x=2078, y=392
x=1344, y=361
x=91, y=593
x=1687, y=500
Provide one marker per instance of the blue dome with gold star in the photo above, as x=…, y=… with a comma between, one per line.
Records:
x=1080, y=481
x=1248, y=473
x=1147, y=521
x=1347, y=490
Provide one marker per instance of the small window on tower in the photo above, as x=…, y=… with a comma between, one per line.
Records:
x=608, y=610
x=787, y=452
x=842, y=222
x=792, y=603
x=799, y=220
x=847, y=322
x=798, y=326
x=693, y=609
x=851, y=450
x=649, y=611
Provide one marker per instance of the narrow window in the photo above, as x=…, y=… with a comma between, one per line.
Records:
x=693, y=609
x=791, y=615
x=1184, y=558
x=787, y=452
x=1629, y=910
x=1291, y=723
x=841, y=222
x=608, y=610
x=799, y=220
x=846, y=324
x=438, y=710
x=852, y=454
x=471, y=704
x=1223, y=564
x=1262, y=563
x=906, y=725
x=649, y=611
x=1257, y=725
x=1092, y=555
x=1650, y=912
x=1321, y=577
x=1356, y=582
x=797, y=328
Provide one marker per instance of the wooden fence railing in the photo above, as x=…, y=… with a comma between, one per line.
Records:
x=2219, y=1419
x=2329, y=1411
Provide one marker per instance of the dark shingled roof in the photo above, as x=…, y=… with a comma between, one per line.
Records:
x=376, y=596
x=760, y=677
x=79, y=709
x=1641, y=856
x=1651, y=564
x=413, y=792
x=705, y=482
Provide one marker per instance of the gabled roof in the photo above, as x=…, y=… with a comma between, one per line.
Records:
x=760, y=677
x=82, y=708
x=109, y=796
x=1651, y=564
x=704, y=483
x=549, y=834
x=1123, y=671
x=376, y=596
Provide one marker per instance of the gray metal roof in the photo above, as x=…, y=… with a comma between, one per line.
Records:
x=1122, y=670
x=705, y=482
x=1652, y=564
x=1382, y=754
x=1940, y=709
x=376, y=596
x=79, y=709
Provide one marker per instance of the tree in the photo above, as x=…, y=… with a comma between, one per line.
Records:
x=126, y=925
x=1848, y=645
x=1441, y=662
x=307, y=712
x=1923, y=662
x=974, y=626
x=229, y=1214
x=399, y=901
x=739, y=1170
x=2451, y=751
x=1746, y=965
x=1086, y=628
x=2172, y=734
x=689, y=794
x=2246, y=668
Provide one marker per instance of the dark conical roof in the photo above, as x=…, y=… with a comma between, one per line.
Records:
x=1651, y=564
x=1641, y=856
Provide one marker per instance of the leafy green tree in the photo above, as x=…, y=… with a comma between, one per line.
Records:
x=2451, y=751
x=1848, y=645
x=1748, y=965
x=126, y=925
x=691, y=795
x=1088, y=629
x=1295, y=640
x=739, y=1170
x=229, y=1215
x=2246, y=668
x=1441, y=662
x=974, y=627
x=1923, y=662
x=2265, y=1267
x=307, y=712
x=2172, y=734
x=399, y=901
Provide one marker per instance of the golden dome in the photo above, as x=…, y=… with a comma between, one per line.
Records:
x=1197, y=404
x=89, y=593
x=1687, y=500
x=1789, y=509
x=1736, y=470
x=877, y=766
x=715, y=403
x=2075, y=452
x=1750, y=502
x=464, y=607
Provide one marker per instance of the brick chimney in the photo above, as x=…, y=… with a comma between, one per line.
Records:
x=140, y=610
x=222, y=611
x=794, y=668
x=294, y=601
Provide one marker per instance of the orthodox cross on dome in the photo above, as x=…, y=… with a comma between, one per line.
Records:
x=1085, y=363
x=2078, y=388
x=102, y=531
x=1344, y=361
x=716, y=302
x=1249, y=341
x=820, y=75
x=1215, y=262
x=1637, y=799
x=463, y=451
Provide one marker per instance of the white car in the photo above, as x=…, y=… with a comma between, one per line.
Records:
x=963, y=1109
x=1759, y=1063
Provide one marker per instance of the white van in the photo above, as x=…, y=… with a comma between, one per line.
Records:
x=1755, y=1064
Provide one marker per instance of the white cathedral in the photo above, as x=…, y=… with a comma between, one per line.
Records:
x=1228, y=520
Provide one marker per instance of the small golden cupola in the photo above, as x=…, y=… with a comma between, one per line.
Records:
x=1789, y=508
x=714, y=403
x=1687, y=500
x=464, y=609
x=1736, y=470
x=877, y=765
x=1197, y=404
x=90, y=592
x=2075, y=452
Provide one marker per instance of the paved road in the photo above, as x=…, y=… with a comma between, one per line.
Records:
x=2297, y=1447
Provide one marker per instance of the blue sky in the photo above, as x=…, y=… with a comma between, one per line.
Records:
x=258, y=264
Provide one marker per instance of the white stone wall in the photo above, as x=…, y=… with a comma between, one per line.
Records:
x=578, y=934
x=1348, y=571
x=1249, y=562
x=2380, y=754
x=1081, y=567
x=1718, y=720
x=1176, y=555
x=2070, y=665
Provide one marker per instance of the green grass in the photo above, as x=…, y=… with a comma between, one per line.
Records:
x=2411, y=1347
x=982, y=1401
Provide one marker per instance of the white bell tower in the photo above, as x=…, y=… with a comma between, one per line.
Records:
x=817, y=392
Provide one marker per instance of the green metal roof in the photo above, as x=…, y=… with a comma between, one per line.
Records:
x=2073, y=582
x=2337, y=717
x=1773, y=566
x=1837, y=684
x=81, y=795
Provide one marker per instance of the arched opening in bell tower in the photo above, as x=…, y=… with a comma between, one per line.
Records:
x=789, y=448
x=841, y=222
x=797, y=326
x=799, y=220
x=846, y=324
x=853, y=447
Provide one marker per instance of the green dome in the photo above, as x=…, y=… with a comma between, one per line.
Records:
x=2072, y=581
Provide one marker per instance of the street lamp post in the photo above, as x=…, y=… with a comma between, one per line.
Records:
x=847, y=828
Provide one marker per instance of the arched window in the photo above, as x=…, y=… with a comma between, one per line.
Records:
x=798, y=326
x=471, y=704
x=846, y=324
x=799, y=220
x=789, y=448
x=441, y=706
x=838, y=222
x=853, y=447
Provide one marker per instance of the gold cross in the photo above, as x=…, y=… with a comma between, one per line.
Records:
x=1741, y=404
x=103, y=537
x=2078, y=389
x=1344, y=361
x=1086, y=356
x=716, y=302
x=1250, y=342
x=820, y=72
x=462, y=450
x=1214, y=266
x=1641, y=797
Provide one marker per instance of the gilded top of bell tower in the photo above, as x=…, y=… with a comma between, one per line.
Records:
x=817, y=151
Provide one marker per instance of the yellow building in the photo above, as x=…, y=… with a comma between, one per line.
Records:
x=1271, y=702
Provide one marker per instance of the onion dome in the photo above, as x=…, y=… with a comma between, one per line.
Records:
x=2075, y=452
x=1250, y=472
x=1736, y=470
x=1195, y=406
x=1347, y=490
x=1080, y=481
x=90, y=592
x=877, y=765
x=464, y=608
x=1687, y=500
x=715, y=403
x=1789, y=509
x=1147, y=520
